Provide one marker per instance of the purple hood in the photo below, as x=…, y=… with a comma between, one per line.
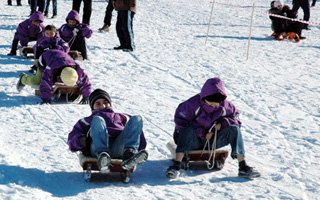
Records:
x=73, y=15
x=37, y=16
x=194, y=112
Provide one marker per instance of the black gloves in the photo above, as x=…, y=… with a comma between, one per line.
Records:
x=84, y=100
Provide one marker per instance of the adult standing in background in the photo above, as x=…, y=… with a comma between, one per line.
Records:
x=18, y=2
x=87, y=9
x=107, y=17
x=54, y=8
x=37, y=5
x=305, y=5
x=126, y=10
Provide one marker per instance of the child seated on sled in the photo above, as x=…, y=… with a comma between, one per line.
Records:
x=284, y=28
x=49, y=40
x=196, y=117
x=75, y=33
x=56, y=66
x=106, y=134
x=28, y=30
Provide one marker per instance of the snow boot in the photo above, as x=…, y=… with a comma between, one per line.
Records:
x=131, y=159
x=20, y=85
x=174, y=170
x=104, y=28
x=247, y=171
x=104, y=161
x=11, y=53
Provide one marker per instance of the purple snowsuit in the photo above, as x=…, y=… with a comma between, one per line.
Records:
x=26, y=32
x=29, y=32
x=50, y=43
x=55, y=61
x=77, y=41
x=65, y=31
x=196, y=113
x=115, y=123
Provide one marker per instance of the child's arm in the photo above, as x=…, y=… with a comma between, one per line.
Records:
x=77, y=137
x=85, y=31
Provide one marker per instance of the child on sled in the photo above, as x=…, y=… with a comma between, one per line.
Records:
x=28, y=30
x=57, y=66
x=75, y=33
x=284, y=28
x=196, y=117
x=49, y=40
x=106, y=134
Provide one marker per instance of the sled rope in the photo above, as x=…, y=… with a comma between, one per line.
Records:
x=212, y=151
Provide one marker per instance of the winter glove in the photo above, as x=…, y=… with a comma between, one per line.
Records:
x=83, y=141
x=75, y=31
x=84, y=100
x=45, y=101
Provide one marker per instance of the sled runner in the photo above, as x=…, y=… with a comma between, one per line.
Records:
x=63, y=93
x=90, y=167
x=26, y=52
x=200, y=159
x=75, y=55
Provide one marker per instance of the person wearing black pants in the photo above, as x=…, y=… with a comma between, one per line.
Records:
x=87, y=9
x=37, y=5
x=313, y=2
x=305, y=5
x=18, y=2
x=107, y=17
x=126, y=11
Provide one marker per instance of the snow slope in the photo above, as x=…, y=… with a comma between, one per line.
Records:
x=277, y=91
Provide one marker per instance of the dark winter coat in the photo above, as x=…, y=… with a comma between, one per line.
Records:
x=279, y=25
x=54, y=61
x=66, y=32
x=125, y=5
x=115, y=125
x=27, y=30
x=44, y=43
x=196, y=113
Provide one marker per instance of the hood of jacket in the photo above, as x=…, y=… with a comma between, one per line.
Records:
x=212, y=86
x=37, y=16
x=73, y=15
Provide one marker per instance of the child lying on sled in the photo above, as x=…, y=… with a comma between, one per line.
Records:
x=106, y=134
x=284, y=28
x=196, y=117
x=56, y=66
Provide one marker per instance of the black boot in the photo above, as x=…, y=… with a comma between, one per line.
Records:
x=174, y=170
x=131, y=158
x=247, y=171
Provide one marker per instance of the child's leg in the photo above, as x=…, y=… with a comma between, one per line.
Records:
x=129, y=138
x=231, y=135
x=79, y=44
x=99, y=135
x=33, y=81
x=15, y=43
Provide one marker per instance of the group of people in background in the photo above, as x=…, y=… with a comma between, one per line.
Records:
x=289, y=28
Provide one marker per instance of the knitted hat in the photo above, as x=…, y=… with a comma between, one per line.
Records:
x=98, y=94
x=278, y=3
x=217, y=97
x=69, y=76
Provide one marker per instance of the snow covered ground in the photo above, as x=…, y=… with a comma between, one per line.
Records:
x=277, y=91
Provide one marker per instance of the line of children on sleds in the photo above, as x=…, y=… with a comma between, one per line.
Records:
x=107, y=134
x=285, y=28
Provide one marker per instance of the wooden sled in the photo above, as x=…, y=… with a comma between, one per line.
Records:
x=62, y=92
x=75, y=55
x=199, y=159
x=26, y=52
x=90, y=167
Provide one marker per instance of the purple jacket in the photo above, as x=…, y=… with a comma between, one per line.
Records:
x=50, y=43
x=66, y=32
x=195, y=112
x=27, y=30
x=54, y=61
x=115, y=125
